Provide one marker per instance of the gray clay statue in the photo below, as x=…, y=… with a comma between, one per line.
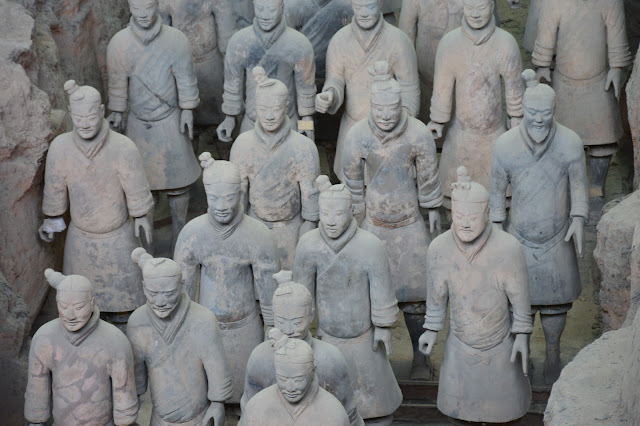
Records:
x=589, y=40
x=544, y=163
x=293, y=314
x=243, y=11
x=391, y=170
x=97, y=175
x=531, y=28
x=279, y=167
x=352, y=50
x=472, y=62
x=152, y=76
x=80, y=367
x=296, y=398
x=480, y=272
x=233, y=258
x=346, y=270
x=177, y=349
x=284, y=53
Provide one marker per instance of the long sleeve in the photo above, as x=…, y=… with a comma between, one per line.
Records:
x=214, y=361
x=254, y=377
x=118, y=86
x=406, y=73
x=37, y=398
x=335, y=76
x=498, y=190
x=134, y=183
x=237, y=157
x=384, y=305
x=547, y=34
x=185, y=256
x=140, y=371
x=617, y=44
x=578, y=185
x=516, y=286
x=225, y=22
x=429, y=190
x=164, y=10
x=437, y=294
x=123, y=383
x=184, y=71
x=55, y=201
x=304, y=266
x=353, y=167
x=443, y=83
x=264, y=264
x=305, y=78
x=409, y=19
x=233, y=96
x=512, y=77
x=309, y=194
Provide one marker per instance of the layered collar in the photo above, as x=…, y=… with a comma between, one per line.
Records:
x=225, y=230
x=338, y=244
x=146, y=35
x=367, y=38
x=90, y=148
x=77, y=337
x=273, y=140
x=537, y=149
x=479, y=36
x=268, y=38
x=384, y=136
x=470, y=250
x=295, y=410
x=169, y=327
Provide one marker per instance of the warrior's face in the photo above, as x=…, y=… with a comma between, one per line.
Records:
x=294, y=379
x=163, y=294
x=366, y=12
x=294, y=321
x=144, y=12
x=268, y=13
x=86, y=118
x=75, y=308
x=271, y=108
x=335, y=215
x=538, y=117
x=386, y=108
x=469, y=219
x=223, y=199
x=478, y=12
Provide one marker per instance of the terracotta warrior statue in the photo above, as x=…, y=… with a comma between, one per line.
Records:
x=297, y=398
x=365, y=41
x=391, y=170
x=544, y=163
x=80, y=367
x=480, y=272
x=283, y=53
x=590, y=43
x=152, y=75
x=177, y=349
x=233, y=258
x=97, y=175
x=278, y=168
x=346, y=270
x=243, y=10
x=293, y=314
x=472, y=62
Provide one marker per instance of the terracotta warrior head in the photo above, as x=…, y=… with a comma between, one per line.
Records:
x=386, y=97
x=539, y=104
x=469, y=207
x=366, y=12
x=295, y=366
x=478, y=13
x=272, y=100
x=162, y=282
x=144, y=12
x=74, y=297
x=268, y=13
x=335, y=207
x=86, y=109
x=222, y=186
x=292, y=306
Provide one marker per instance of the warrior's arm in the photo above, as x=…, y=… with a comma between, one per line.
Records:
x=118, y=86
x=305, y=78
x=578, y=184
x=252, y=379
x=547, y=35
x=123, y=383
x=511, y=70
x=406, y=71
x=409, y=19
x=353, y=169
x=617, y=44
x=443, y=85
x=56, y=201
x=236, y=157
x=37, y=398
x=384, y=305
x=498, y=190
x=335, y=75
x=186, y=258
x=139, y=365
x=135, y=185
x=309, y=193
x=214, y=361
x=305, y=268
x=437, y=295
x=429, y=190
x=184, y=71
x=225, y=22
x=165, y=12
x=265, y=263
x=233, y=96
x=516, y=285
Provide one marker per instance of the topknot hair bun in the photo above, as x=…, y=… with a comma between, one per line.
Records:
x=529, y=77
x=323, y=183
x=71, y=87
x=206, y=160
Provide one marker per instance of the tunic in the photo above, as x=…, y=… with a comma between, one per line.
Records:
x=548, y=187
x=331, y=369
x=396, y=173
x=153, y=71
x=485, y=286
x=182, y=359
x=102, y=183
x=285, y=55
x=473, y=63
x=350, y=281
x=234, y=265
x=582, y=104
x=208, y=25
x=351, y=52
x=278, y=181
x=89, y=372
x=317, y=408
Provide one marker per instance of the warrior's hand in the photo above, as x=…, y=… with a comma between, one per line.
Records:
x=49, y=227
x=514, y=4
x=116, y=121
x=145, y=222
x=382, y=335
x=324, y=101
x=216, y=413
x=434, y=220
x=427, y=341
x=225, y=129
x=576, y=230
x=614, y=77
x=435, y=129
x=514, y=121
x=521, y=345
x=543, y=72
x=186, y=119
x=306, y=227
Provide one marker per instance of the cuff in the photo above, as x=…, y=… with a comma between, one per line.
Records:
x=541, y=56
x=267, y=314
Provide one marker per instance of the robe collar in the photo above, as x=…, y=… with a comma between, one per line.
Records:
x=384, y=136
x=537, y=149
x=268, y=38
x=146, y=36
x=470, y=250
x=91, y=148
x=338, y=244
x=479, y=36
x=169, y=327
x=226, y=230
x=273, y=140
x=295, y=410
x=367, y=38
x=77, y=337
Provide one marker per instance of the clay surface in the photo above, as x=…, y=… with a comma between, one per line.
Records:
x=531, y=28
x=633, y=107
